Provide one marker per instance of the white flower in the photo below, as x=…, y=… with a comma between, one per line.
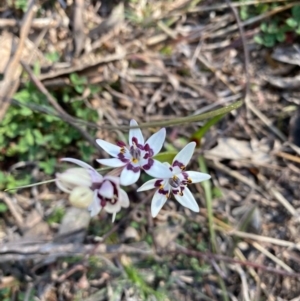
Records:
x=177, y=183
x=88, y=189
x=138, y=157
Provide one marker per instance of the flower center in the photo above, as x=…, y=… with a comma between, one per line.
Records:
x=174, y=182
x=135, y=153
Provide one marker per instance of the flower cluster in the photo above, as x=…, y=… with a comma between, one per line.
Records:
x=89, y=189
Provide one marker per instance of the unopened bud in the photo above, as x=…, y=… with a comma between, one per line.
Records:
x=72, y=178
x=81, y=197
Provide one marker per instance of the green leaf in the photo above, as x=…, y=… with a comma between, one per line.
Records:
x=244, y=13
x=258, y=39
x=272, y=28
x=29, y=137
x=79, y=89
x=77, y=80
x=269, y=40
x=264, y=27
x=208, y=198
x=291, y=22
x=165, y=157
x=48, y=166
x=198, y=135
x=217, y=192
x=3, y=207
x=296, y=12
x=52, y=56
x=56, y=216
x=280, y=36
x=183, y=120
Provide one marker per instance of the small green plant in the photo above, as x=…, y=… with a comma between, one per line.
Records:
x=8, y=181
x=271, y=33
x=294, y=21
x=275, y=29
x=56, y=216
x=144, y=289
x=31, y=136
x=3, y=208
x=19, y=4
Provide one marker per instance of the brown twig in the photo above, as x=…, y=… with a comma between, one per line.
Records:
x=13, y=210
x=62, y=113
x=11, y=77
x=207, y=255
x=70, y=272
x=38, y=23
x=78, y=27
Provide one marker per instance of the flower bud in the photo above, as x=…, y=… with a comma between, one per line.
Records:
x=72, y=178
x=81, y=197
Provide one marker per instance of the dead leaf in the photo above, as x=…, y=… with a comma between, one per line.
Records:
x=233, y=149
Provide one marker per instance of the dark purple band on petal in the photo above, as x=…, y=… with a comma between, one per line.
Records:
x=122, y=158
x=135, y=169
x=162, y=191
x=179, y=164
x=157, y=183
x=135, y=141
x=102, y=201
x=185, y=175
x=149, y=164
x=121, y=144
x=149, y=151
x=175, y=191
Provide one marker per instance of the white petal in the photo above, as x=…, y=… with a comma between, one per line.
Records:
x=148, y=185
x=137, y=133
x=114, y=216
x=185, y=155
x=111, y=162
x=95, y=176
x=157, y=140
x=187, y=200
x=128, y=177
x=159, y=170
x=95, y=207
x=106, y=190
x=115, y=180
x=112, y=208
x=78, y=162
x=110, y=148
x=158, y=201
x=197, y=177
x=124, y=200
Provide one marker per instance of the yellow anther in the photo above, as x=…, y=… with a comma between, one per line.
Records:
x=135, y=160
x=182, y=167
x=189, y=180
x=122, y=150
